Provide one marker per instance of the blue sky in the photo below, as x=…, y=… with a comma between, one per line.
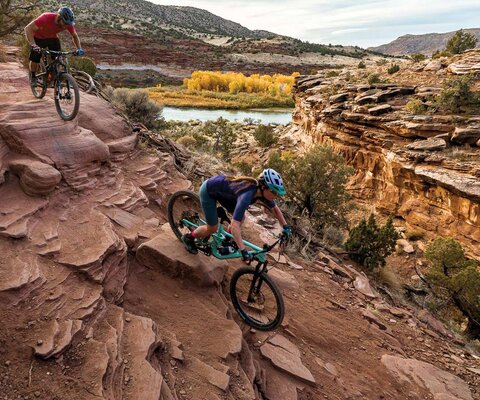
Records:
x=362, y=23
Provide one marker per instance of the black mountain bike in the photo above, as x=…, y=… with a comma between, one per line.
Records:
x=56, y=72
x=255, y=295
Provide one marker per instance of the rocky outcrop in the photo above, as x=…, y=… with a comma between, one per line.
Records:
x=392, y=152
x=441, y=385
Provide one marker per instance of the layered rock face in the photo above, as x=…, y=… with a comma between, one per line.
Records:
x=422, y=169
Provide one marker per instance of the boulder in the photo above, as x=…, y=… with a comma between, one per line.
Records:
x=167, y=254
x=469, y=134
x=338, y=98
x=362, y=285
x=430, y=144
x=433, y=65
x=286, y=361
x=441, y=384
x=381, y=109
x=36, y=178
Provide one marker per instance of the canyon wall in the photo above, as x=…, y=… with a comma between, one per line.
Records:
x=422, y=169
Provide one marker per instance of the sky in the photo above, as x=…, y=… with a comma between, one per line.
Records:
x=346, y=22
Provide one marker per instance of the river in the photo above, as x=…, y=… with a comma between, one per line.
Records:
x=280, y=117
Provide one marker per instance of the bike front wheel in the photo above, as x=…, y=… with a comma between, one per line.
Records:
x=184, y=207
x=67, y=97
x=39, y=84
x=257, y=299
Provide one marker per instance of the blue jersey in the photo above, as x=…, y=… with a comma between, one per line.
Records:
x=236, y=197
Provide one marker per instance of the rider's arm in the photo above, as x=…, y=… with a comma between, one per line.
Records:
x=279, y=215
x=30, y=30
x=236, y=231
x=76, y=39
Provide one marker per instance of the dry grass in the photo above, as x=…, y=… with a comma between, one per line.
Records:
x=3, y=55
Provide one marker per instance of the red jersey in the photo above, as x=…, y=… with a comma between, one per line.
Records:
x=48, y=28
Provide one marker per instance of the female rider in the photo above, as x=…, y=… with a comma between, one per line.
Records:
x=236, y=195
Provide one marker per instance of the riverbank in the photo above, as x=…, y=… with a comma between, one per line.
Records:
x=176, y=96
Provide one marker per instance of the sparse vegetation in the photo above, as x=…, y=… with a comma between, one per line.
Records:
x=15, y=14
x=417, y=57
x=370, y=244
x=315, y=184
x=84, y=64
x=460, y=42
x=223, y=135
x=374, y=78
x=136, y=105
x=331, y=74
x=457, y=278
x=440, y=54
x=244, y=167
x=393, y=68
x=265, y=135
x=457, y=96
x=416, y=106
x=361, y=65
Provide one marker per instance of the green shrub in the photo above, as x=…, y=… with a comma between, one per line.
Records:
x=374, y=78
x=416, y=106
x=315, y=183
x=331, y=74
x=136, y=105
x=370, y=244
x=393, y=68
x=361, y=65
x=84, y=64
x=187, y=141
x=244, y=167
x=440, y=54
x=333, y=235
x=265, y=136
x=456, y=95
x=381, y=62
x=14, y=15
x=417, y=57
x=453, y=273
x=461, y=41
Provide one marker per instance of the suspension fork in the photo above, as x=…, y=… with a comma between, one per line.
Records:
x=257, y=280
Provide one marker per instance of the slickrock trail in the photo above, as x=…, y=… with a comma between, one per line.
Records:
x=100, y=301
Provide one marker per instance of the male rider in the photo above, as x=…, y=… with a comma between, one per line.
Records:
x=43, y=33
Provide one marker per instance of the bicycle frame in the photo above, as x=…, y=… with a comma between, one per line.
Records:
x=218, y=238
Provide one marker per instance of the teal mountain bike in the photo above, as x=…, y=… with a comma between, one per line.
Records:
x=254, y=294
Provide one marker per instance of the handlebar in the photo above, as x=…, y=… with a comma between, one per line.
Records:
x=60, y=53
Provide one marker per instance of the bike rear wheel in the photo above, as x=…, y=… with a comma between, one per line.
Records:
x=67, y=97
x=184, y=205
x=39, y=87
x=260, y=303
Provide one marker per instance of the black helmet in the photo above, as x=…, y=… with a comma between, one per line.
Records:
x=66, y=14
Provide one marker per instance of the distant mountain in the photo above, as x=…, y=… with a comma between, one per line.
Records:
x=426, y=44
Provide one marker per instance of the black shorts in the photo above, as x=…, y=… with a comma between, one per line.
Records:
x=52, y=44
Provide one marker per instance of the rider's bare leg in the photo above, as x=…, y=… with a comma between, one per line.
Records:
x=204, y=230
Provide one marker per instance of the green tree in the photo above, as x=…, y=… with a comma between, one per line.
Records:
x=315, y=184
x=460, y=42
x=224, y=136
x=264, y=135
x=370, y=244
x=15, y=15
x=451, y=271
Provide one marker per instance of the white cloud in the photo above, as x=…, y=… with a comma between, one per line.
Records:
x=366, y=23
